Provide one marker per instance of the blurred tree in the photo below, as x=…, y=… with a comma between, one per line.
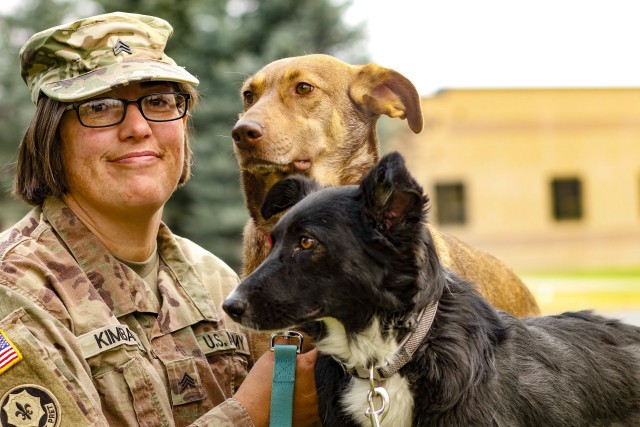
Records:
x=221, y=42
x=16, y=109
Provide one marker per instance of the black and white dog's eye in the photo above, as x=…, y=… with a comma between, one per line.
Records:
x=307, y=242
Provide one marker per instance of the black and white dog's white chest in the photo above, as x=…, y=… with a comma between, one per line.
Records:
x=401, y=401
x=348, y=403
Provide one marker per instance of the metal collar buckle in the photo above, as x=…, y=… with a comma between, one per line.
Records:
x=288, y=336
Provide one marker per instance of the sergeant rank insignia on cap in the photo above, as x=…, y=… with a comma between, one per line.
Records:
x=121, y=47
x=9, y=353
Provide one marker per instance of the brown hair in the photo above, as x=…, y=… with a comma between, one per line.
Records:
x=40, y=170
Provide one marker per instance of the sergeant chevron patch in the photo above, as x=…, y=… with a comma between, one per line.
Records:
x=121, y=47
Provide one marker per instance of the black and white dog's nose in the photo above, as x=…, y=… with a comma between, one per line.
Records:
x=235, y=308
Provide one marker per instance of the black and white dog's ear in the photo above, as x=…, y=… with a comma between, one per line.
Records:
x=391, y=195
x=286, y=193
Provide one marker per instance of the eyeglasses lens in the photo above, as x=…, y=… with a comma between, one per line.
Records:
x=157, y=107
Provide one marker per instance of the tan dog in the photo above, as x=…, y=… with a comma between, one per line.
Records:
x=316, y=115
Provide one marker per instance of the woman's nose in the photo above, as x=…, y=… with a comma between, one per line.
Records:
x=134, y=123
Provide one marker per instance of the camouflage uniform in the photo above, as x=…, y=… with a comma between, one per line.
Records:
x=92, y=346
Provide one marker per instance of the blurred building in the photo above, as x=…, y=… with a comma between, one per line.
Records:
x=545, y=179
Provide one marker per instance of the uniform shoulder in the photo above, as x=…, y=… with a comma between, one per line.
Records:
x=198, y=255
x=30, y=227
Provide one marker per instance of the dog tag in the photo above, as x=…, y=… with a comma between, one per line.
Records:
x=377, y=415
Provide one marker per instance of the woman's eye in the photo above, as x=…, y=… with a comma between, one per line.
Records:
x=304, y=88
x=99, y=106
x=306, y=242
x=158, y=101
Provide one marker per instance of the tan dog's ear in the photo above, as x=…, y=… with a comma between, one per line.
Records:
x=380, y=90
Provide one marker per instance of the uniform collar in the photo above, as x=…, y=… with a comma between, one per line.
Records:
x=119, y=287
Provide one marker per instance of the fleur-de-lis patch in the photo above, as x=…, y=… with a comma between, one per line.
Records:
x=29, y=406
x=25, y=412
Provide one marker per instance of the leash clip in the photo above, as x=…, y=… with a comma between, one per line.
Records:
x=288, y=336
x=376, y=415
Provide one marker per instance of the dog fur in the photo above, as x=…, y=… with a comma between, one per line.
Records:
x=316, y=115
x=357, y=262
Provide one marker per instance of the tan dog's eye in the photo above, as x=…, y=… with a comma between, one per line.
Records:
x=306, y=242
x=304, y=88
x=248, y=97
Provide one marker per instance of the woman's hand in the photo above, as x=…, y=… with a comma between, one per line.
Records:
x=255, y=391
x=305, y=399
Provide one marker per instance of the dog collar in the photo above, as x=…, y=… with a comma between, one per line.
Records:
x=408, y=346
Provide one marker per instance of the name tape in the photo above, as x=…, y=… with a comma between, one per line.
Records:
x=107, y=338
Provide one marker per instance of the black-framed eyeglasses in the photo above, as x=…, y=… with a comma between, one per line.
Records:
x=155, y=107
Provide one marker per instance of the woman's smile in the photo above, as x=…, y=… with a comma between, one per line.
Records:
x=134, y=157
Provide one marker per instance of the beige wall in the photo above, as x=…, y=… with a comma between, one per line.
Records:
x=507, y=145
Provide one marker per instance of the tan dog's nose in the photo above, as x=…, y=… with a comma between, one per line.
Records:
x=246, y=134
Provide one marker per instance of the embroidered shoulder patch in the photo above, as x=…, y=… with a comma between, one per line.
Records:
x=29, y=405
x=9, y=353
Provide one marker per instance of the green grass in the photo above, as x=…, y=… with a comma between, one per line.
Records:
x=599, y=289
x=601, y=273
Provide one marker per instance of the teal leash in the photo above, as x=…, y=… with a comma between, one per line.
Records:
x=284, y=378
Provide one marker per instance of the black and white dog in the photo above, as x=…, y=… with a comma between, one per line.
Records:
x=357, y=262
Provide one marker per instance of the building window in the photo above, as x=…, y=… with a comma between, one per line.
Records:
x=567, y=198
x=450, y=203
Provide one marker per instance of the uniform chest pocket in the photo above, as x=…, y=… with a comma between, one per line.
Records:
x=131, y=390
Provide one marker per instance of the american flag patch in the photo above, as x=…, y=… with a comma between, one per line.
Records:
x=9, y=353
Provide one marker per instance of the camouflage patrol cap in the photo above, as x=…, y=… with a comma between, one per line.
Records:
x=94, y=55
